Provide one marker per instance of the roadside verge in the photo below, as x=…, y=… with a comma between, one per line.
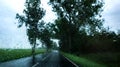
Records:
x=81, y=61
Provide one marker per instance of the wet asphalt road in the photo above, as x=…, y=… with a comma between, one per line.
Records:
x=53, y=59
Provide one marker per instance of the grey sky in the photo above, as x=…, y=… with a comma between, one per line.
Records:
x=13, y=37
x=111, y=14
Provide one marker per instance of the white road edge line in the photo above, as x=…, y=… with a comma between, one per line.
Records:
x=35, y=64
x=45, y=58
x=71, y=61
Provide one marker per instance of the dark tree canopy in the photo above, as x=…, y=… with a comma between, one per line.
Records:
x=75, y=16
x=46, y=34
x=79, y=12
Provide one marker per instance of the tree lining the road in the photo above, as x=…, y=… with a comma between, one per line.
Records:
x=33, y=13
x=45, y=36
x=76, y=19
x=78, y=27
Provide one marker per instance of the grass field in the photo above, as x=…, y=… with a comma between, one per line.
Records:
x=82, y=61
x=10, y=54
x=106, y=59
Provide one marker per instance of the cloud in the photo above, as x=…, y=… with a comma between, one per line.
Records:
x=50, y=16
x=111, y=14
x=10, y=35
x=15, y=5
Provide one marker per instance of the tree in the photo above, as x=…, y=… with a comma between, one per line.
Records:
x=45, y=35
x=78, y=15
x=32, y=14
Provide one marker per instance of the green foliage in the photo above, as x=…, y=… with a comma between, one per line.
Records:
x=46, y=34
x=75, y=17
x=82, y=61
x=11, y=54
x=79, y=27
x=32, y=15
x=110, y=59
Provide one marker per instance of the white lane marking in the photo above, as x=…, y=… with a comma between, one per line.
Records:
x=71, y=61
x=45, y=57
x=35, y=64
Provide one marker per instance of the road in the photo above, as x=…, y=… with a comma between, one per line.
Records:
x=53, y=59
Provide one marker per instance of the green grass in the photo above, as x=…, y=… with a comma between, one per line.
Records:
x=82, y=61
x=108, y=58
x=10, y=54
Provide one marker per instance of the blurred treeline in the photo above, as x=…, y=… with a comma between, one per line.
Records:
x=79, y=27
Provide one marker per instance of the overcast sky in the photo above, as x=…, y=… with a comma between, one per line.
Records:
x=13, y=37
x=111, y=14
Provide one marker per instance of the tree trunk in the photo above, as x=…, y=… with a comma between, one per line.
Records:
x=33, y=49
x=69, y=50
x=33, y=53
